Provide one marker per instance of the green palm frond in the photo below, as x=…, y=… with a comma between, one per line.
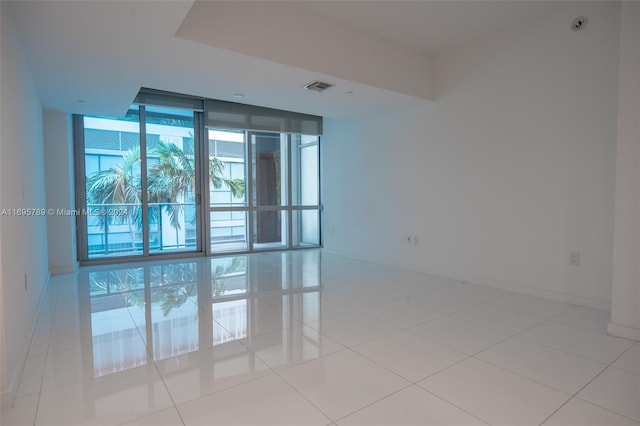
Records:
x=216, y=171
x=171, y=179
x=118, y=185
x=236, y=186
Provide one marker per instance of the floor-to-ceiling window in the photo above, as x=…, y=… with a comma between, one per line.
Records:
x=306, y=190
x=268, y=196
x=269, y=191
x=172, y=180
x=228, y=218
x=113, y=185
x=173, y=177
x=140, y=183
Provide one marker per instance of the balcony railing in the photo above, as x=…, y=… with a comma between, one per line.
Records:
x=116, y=229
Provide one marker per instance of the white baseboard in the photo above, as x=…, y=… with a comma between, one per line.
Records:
x=6, y=399
x=602, y=305
x=8, y=396
x=64, y=269
x=624, y=331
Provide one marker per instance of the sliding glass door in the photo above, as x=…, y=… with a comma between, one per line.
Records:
x=112, y=219
x=172, y=183
x=228, y=212
x=141, y=184
x=180, y=175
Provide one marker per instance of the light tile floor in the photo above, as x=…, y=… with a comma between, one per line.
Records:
x=308, y=338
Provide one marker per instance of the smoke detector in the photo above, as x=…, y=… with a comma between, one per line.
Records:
x=579, y=23
x=317, y=86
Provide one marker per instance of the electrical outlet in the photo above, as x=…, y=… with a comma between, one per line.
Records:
x=416, y=240
x=409, y=239
x=574, y=258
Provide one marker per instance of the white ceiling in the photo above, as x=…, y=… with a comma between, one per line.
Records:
x=431, y=26
x=102, y=52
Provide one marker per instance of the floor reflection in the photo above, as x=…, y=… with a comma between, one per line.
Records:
x=226, y=309
x=301, y=338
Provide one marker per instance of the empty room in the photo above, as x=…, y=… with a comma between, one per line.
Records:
x=319, y=212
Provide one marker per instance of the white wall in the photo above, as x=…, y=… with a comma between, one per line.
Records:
x=511, y=168
x=625, y=309
x=23, y=244
x=61, y=229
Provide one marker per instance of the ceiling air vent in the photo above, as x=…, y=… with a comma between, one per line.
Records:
x=317, y=86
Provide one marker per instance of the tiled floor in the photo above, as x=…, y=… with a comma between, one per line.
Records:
x=308, y=338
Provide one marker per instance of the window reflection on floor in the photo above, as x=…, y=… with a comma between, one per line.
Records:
x=148, y=312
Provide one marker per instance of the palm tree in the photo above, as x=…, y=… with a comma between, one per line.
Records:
x=119, y=185
x=216, y=168
x=170, y=180
x=173, y=177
